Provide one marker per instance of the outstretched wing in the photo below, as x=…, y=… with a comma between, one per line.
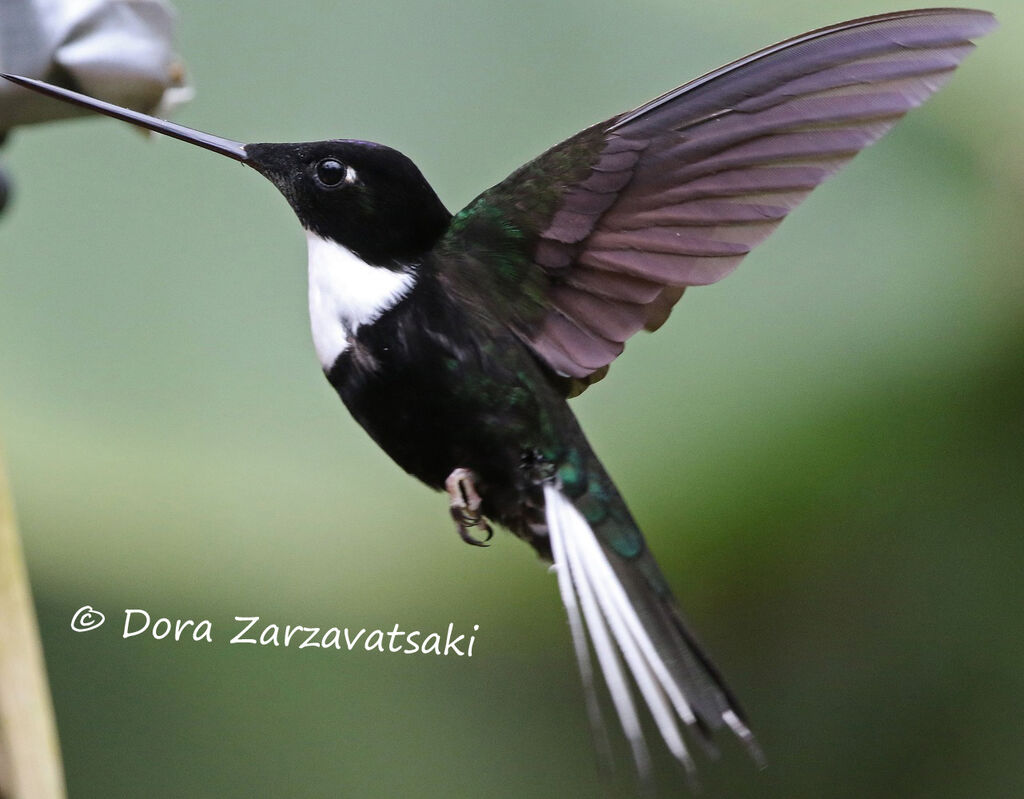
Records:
x=598, y=238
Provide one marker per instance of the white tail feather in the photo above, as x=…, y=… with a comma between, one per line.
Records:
x=618, y=686
x=579, y=642
x=587, y=580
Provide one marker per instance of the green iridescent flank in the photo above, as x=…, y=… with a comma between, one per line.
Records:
x=604, y=509
x=572, y=474
x=593, y=508
x=628, y=543
x=483, y=208
x=599, y=503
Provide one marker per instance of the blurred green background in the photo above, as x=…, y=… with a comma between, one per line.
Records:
x=826, y=450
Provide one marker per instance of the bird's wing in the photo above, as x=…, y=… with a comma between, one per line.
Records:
x=599, y=237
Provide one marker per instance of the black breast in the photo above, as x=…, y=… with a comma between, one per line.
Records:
x=438, y=389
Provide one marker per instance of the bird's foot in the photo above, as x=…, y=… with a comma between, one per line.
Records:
x=465, y=507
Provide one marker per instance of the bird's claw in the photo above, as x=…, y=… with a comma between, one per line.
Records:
x=465, y=507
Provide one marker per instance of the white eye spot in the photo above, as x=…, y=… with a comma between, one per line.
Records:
x=350, y=175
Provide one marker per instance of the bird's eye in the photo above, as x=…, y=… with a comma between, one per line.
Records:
x=330, y=172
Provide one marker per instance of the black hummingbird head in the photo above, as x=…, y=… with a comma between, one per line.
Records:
x=365, y=196
x=369, y=198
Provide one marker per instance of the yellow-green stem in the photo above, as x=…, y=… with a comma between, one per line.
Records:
x=30, y=764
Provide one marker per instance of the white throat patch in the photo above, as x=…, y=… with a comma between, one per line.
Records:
x=344, y=293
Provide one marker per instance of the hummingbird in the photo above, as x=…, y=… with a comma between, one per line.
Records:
x=456, y=341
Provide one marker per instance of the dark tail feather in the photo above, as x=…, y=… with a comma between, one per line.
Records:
x=614, y=592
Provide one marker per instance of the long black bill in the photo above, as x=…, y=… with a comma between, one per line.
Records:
x=232, y=149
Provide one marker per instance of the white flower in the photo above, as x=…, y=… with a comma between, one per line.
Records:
x=117, y=50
